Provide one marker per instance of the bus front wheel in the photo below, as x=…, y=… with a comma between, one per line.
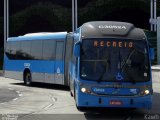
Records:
x=75, y=98
x=27, y=79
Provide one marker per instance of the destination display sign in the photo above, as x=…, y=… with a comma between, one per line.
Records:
x=119, y=44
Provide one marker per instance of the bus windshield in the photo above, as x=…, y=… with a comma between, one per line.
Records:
x=114, y=60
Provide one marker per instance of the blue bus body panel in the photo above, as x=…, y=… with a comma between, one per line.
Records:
x=125, y=96
x=40, y=66
x=86, y=100
x=111, y=91
x=37, y=66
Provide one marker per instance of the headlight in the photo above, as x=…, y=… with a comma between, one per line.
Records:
x=85, y=90
x=146, y=92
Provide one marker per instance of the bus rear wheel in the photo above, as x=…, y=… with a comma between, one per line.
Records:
x=71, y=93
x=27, y=79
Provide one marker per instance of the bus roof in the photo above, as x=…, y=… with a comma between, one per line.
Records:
x=104, y=29
x=39, y=36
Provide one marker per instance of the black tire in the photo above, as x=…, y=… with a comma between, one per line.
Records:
x=27, y=79
x=74, y=95
x=79, y=108
x=71, y=94
x=76, y=99
x=70, y=87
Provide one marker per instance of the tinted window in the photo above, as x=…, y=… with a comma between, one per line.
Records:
x=8, y=48
x=25, y=50
x=15, y=47
x=48, y=50
x=114, y=60
x=36, y=49
x=12, y=49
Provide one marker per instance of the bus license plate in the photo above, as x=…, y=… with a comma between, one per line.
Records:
x=115, y=102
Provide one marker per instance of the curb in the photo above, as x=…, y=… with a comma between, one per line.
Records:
x=156, y=68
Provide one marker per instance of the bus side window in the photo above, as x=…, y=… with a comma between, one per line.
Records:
x=59, y=50
x=14, y=47
x=48, y=50
x=36, y=49
x=26, y=50
x=8, y=49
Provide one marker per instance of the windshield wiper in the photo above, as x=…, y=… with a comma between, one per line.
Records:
x=119, y=74
x=120, y=62
x=100, y=79
x=130, y=54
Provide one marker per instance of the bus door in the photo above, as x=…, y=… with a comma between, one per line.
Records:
x=59, y=63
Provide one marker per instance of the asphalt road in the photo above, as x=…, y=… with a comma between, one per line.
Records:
x=53, y=102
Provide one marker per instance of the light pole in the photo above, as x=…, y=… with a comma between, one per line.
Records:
x=76, y=12
x=6, y=26
x=6, y=21
x=153, y=15
x=74, y=15
x=158, y=40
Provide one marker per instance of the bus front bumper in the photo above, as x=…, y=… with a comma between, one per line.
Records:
x=88, y=100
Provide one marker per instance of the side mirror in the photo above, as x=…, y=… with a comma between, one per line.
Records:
x=151, y=53
x=77, y=49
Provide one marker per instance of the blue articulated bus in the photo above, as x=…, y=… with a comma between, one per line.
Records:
x=105, y=64
x=111, y=66
x=37, y=57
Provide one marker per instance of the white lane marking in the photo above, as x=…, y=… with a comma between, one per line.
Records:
x=15, y=99
x=48, y=106
x=18, y=92
x=10, y=88
x=53, y=99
